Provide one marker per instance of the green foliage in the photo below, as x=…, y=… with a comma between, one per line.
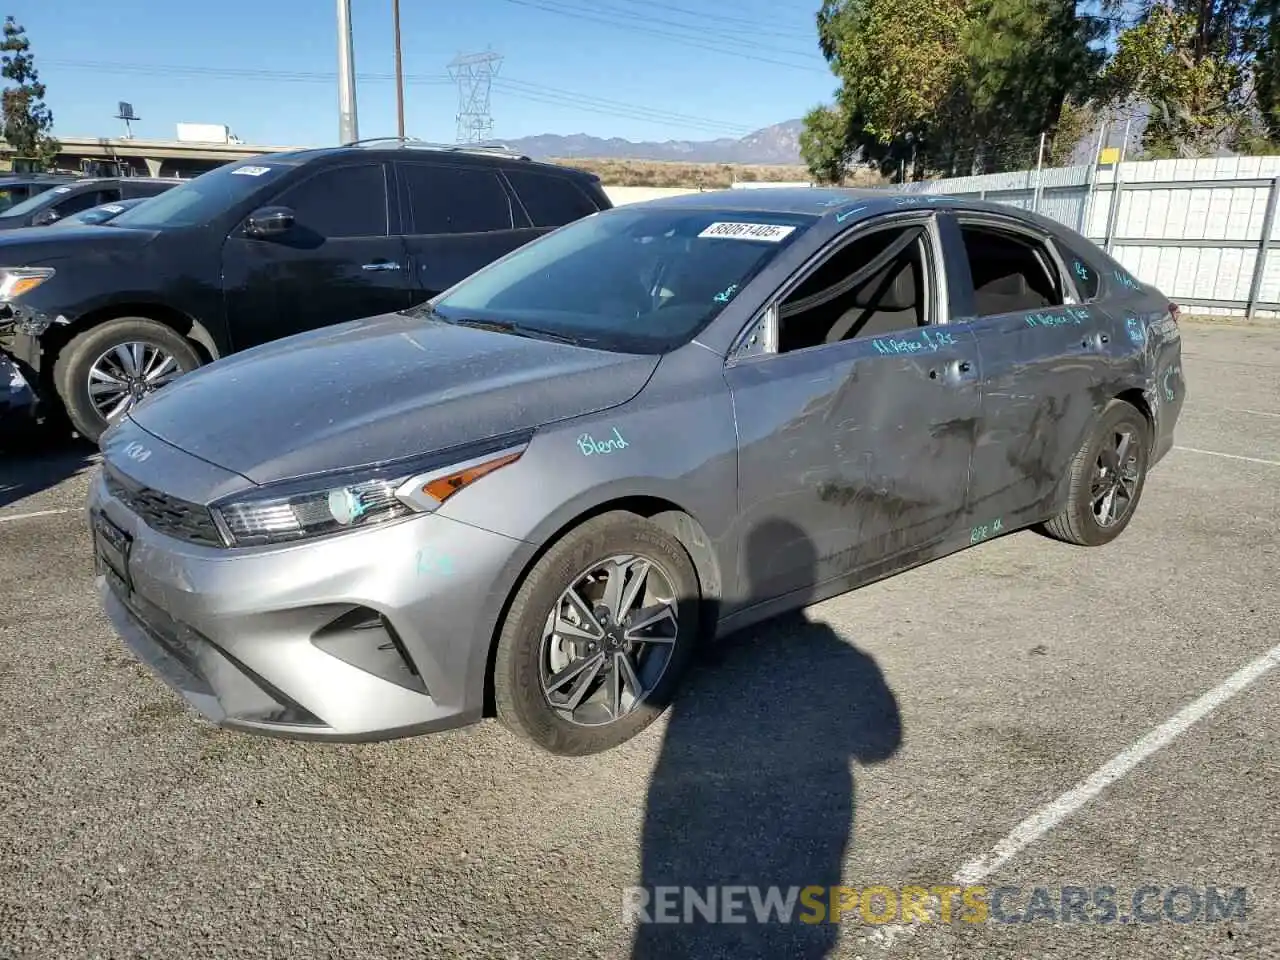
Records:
x=824, y=146
x=27, y=121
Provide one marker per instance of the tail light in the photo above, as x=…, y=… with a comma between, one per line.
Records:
x=1175, y=312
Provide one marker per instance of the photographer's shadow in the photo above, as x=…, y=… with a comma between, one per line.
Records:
x=753, y=787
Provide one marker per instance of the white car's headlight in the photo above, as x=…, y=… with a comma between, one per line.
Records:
x=281, y=513
x=15, y=281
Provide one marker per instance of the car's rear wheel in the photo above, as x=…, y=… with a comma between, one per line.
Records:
x=597, y=637
x=105, y=371
x=1106, y=478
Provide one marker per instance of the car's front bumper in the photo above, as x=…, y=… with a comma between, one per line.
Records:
x=19, y=403
x=368, y=635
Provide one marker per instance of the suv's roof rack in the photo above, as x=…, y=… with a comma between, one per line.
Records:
x=415, y=143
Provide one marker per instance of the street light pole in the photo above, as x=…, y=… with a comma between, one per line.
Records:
x=395, y=9
x=348, y=127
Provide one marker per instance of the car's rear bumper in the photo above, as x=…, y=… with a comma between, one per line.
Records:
x=19, y=403
x=369, y=635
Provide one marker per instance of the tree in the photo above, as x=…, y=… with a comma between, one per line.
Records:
x=1192, y=61
x=27, y=120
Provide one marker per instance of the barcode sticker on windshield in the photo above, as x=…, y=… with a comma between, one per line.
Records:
x=251, y=171
x=768, y=232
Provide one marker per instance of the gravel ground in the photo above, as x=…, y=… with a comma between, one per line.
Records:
x=888, y=737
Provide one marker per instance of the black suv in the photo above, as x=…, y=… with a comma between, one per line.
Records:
x=257, y=250
x=64, y=199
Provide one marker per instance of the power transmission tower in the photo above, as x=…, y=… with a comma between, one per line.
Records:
x=474, y=73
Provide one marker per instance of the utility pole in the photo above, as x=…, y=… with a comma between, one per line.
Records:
x=348, y=127
x=395, y=10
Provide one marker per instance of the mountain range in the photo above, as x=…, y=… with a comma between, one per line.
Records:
x=778, y=144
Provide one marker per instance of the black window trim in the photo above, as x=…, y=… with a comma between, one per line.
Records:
x=309, y=175
x=1061, y=248
x=762, y=324
x=574, y=181
x=1008, y=223
x=409, y=225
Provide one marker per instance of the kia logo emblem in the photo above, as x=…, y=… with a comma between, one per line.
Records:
x=136, y=451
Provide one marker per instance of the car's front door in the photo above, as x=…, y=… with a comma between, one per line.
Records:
x=458, y=218
x=856, y=421
x=1041, y=352
x=341, y=261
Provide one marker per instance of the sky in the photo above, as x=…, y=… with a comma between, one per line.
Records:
x=636, y=69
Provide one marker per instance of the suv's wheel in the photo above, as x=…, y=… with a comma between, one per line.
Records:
x=104, y=371
x=597, y=637
x=1106, y=478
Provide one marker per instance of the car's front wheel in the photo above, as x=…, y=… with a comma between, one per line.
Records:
x=597, y=636
x=1106, y=478
x=102, y=373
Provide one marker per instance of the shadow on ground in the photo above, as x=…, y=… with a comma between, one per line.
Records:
x=753, y=786
x=36, y=461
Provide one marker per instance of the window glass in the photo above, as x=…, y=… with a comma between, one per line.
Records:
x=83, y=201
x=213, y=194
x=1010, y=273
x=1082, y=272
x=872, y=286
x=638, y=280
x=446, y=199
x=551, y=201
x=346, y=201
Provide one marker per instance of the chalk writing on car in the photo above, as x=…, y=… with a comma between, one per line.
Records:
x=589, y=445
x=986, y=531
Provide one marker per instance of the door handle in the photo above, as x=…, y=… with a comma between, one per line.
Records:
x=381, y=265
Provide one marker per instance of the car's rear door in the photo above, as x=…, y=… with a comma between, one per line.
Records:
x=1042, y=355
x=342, y=260
x=856, y=421
x=458, y=218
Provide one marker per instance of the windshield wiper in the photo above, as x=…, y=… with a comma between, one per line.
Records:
x=520, y=330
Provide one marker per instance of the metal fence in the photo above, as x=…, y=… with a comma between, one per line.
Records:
x=1203, y=231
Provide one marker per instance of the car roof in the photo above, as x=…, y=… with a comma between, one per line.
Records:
x=382, y=149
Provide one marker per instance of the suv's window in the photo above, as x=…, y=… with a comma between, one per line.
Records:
x=83, y=201
x=550, y=200
x=1011, y=272
x=209, y=196
x=448, y=199
x=873, y=285
x=347, y=201
x=631, y=279
x=1082, y=270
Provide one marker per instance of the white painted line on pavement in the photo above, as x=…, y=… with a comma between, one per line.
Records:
x=36, y=513
x=1256, y=413
x=1051, y=814
x=1230, y=456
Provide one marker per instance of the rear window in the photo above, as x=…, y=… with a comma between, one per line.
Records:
x=550, y=200
x=633, y=280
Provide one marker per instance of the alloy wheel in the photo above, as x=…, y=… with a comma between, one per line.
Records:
x=608, y=640
x=1116, y=473
x=123, y=375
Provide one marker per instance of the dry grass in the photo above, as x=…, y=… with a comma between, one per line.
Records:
x=661, y=173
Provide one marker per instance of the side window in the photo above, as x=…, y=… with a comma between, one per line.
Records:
x=448, y=199
x=83, y=201
x=551, y=201
x=874, y=285
x=340, y=202
x=1083, y=272
x=1011, y=273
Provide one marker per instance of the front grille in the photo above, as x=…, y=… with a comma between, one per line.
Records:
x=163, y=513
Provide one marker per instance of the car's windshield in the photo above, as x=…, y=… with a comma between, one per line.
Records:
x=199, y=201
x=101, y=213
x=641, y=280
x=36, y=203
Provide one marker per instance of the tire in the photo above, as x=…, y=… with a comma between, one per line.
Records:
x=1079, y=523
x=524, y=662
x=76, y=360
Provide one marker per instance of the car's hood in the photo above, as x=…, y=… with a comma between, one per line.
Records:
x=379, y=389
x=36, y=244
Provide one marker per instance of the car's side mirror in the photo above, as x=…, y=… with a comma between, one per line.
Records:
x=267, y=222
x=44, y=218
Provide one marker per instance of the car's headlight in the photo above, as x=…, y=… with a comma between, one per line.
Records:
x=280, y=513
x=15, y=281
